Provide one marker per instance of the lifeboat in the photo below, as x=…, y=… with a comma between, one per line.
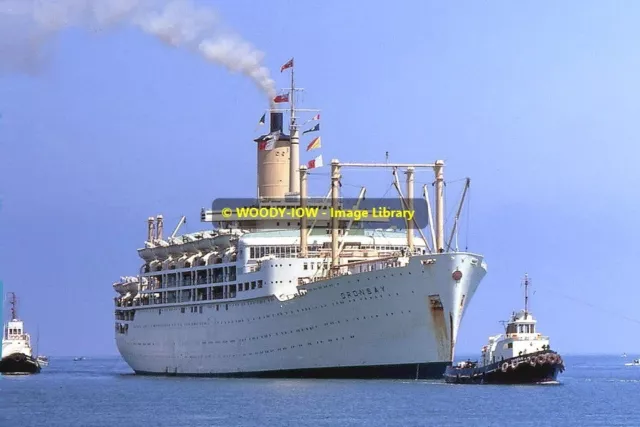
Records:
x=147, y=254
x=127, y=285
x=162, y=250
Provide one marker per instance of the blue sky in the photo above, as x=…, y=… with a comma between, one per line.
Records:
x=536, y=102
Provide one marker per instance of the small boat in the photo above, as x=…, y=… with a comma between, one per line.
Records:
x=624, y=354
x=635, y=362
x=17, y=357
x=43, y=360
x=77, y=359
x=519, y=356
x=128, y=285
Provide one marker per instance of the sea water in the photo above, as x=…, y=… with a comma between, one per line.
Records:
x=593, y=391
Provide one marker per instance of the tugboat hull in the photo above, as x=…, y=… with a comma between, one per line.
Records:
x=19, y=364
x=535, y=368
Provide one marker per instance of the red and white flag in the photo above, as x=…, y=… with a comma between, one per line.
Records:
x=315, y=163
x=313, y=119
x=289, y=64
x=281, y=98
x=267, y=145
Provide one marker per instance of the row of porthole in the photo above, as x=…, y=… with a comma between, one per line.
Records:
x=227, y=305
x=360, y=299
x=268, y=316
x=257, y=353
x=371, y=317
x=306, y=329
x=365, y=298
x=209, y=305
x=253, y=319
x=224, y=322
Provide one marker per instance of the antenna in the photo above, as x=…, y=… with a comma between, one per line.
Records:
x=526, y=295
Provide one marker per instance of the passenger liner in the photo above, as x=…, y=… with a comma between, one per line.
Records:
x=298, y=297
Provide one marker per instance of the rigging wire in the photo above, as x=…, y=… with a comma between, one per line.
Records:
x=450, y=216
x=388, y=188
x=450, y=219
x=455, y=181
x=318, y=174
x=601, y=309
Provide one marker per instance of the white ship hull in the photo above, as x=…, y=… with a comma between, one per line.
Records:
x=378, y=324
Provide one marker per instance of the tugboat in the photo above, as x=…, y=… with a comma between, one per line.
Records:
x=519, y=356
x=16, y=357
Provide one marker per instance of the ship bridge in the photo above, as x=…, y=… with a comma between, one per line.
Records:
x=14, y=330
x=521, y=322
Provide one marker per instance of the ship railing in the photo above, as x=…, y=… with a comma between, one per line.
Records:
x=147, y=300
x=202, y=280
x=373, y=265
x=353, y=253
x=536, y=337
x=355, y=268
x=371, y=254
x=160, y=301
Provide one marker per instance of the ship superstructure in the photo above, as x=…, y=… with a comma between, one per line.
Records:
x=298, y=296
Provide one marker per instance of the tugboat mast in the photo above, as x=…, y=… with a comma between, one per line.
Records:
x=13, y=302
x=526, y=296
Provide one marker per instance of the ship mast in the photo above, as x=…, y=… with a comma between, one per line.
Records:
x=294, y=164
